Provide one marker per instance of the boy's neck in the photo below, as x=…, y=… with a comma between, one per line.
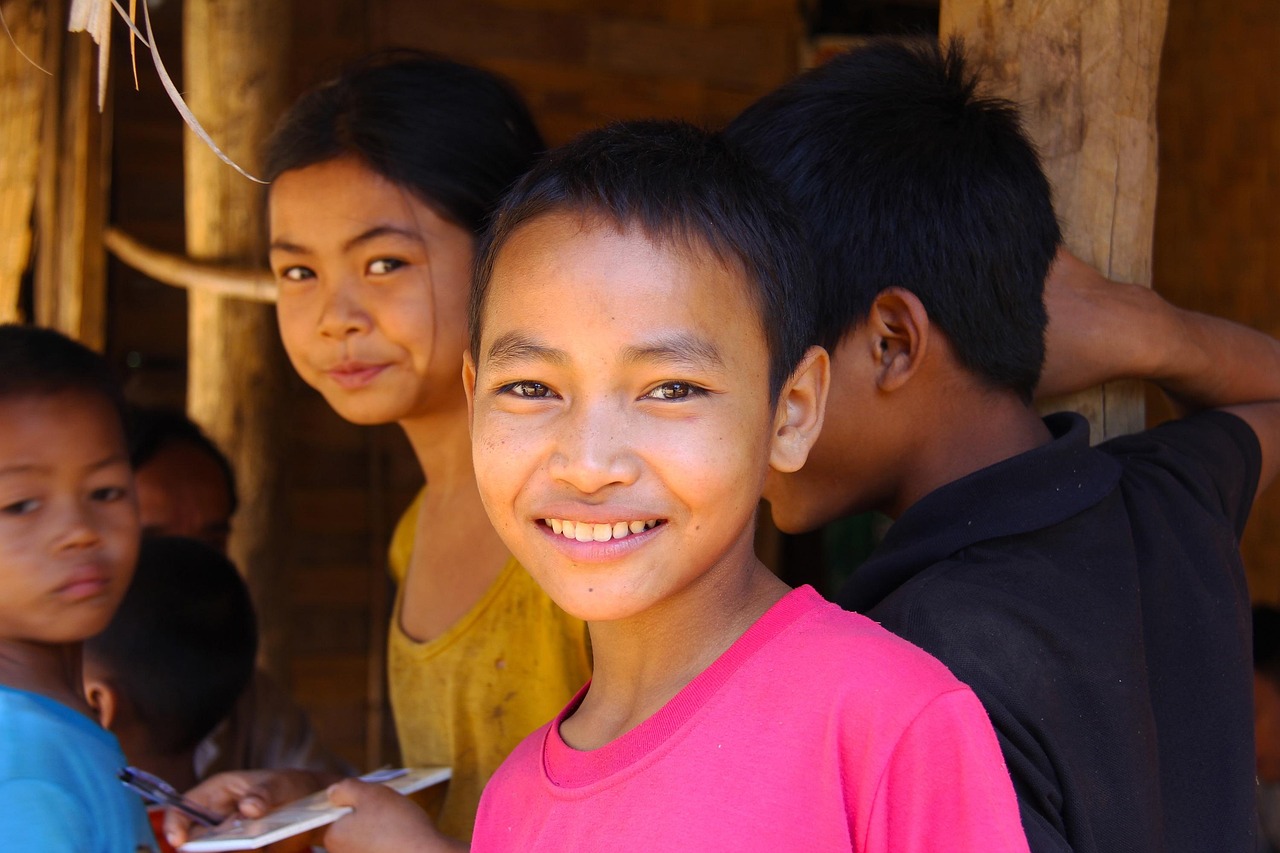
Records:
x=53, y=671
x=965, y=433
x=641, y=663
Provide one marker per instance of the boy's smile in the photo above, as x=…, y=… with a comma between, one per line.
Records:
x=622, y=418
x=68, y=518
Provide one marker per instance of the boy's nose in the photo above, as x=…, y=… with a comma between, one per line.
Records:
x=594, y=450
x=79, y=529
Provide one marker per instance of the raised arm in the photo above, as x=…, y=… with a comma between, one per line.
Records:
x=1100, y=330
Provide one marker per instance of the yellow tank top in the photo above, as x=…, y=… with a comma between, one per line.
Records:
x=466, y=698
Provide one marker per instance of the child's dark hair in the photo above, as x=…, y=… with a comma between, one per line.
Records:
x=679, y=185
x=181, y=646
x=37, y=362
x=904, y=176
x=456, y=136
x=153, y=429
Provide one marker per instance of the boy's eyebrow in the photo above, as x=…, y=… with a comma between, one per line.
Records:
x=678, y=348
x=516, y=346
x=363, y=237
x=26, y=468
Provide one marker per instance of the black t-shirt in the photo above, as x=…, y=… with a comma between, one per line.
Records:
x=1095, y=601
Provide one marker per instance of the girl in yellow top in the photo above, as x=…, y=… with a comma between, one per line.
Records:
x=381, y=182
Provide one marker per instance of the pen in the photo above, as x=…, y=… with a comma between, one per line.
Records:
x=155, y=790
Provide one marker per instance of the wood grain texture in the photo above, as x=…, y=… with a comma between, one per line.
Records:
x=1085, y=75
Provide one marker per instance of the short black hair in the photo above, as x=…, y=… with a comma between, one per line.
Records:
x=181, y=646
x=39, y=362
x=680, y=185
x=904, y=176
x=152, y=429
x=1266, y=642
x=454, y=135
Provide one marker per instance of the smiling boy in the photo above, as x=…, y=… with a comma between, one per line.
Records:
x=68, y=539
x=637, y=368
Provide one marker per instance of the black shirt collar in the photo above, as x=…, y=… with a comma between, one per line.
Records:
x=1027, y=492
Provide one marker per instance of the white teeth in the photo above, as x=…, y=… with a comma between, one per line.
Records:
x=584, y=531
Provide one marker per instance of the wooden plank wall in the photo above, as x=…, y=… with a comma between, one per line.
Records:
x=1217, y=244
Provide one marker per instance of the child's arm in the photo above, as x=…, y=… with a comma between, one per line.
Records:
x=1100, y=330
x=251, y=793
x=383, y=820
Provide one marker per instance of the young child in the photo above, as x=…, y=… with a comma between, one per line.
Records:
x=382, y=181
x=174, y=659
x=637, y=366
x=68, y=539
x=1093, y=598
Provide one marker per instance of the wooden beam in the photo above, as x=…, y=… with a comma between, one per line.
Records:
x=71, y=200
x=22, y=94
x=254, y=285
x=1085, y=74
x=233, y=59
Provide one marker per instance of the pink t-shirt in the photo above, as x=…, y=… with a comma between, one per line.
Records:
x=816, y=731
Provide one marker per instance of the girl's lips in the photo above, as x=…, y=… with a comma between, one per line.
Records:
x=355, y=375
x=593, y=551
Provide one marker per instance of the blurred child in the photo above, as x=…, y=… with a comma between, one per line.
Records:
x=187, y=487
x=382, y=181
x=1092, y=597
x=175, y=657
x=638, y=364
x=68, y=539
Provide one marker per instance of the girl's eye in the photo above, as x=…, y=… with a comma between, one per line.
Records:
x=21, y=507
x=674, y=391
x=109, y=494
x=297, y=273
x=382, y=266
x=529, y=389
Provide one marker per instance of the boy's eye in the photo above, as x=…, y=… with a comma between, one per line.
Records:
x=674, y=391
x=109, y=494
x=526, y=388
x=21, y=507
x=296, y=273
x=382, y=266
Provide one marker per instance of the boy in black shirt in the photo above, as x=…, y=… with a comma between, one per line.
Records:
x=1093, y=598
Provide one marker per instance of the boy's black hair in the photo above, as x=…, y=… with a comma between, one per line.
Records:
x=153, y=429
x=904, y=176
x=181, y=646
x=1266, y=642
x=38, y=362
x=679, y=185
x=456, y=136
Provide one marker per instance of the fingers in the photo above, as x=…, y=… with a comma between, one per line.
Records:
x=250, y=793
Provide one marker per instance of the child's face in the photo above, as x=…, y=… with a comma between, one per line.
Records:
x=621, y=393
x=68, y=519
x=373, y=291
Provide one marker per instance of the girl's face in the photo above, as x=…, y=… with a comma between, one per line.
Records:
x=373, y=291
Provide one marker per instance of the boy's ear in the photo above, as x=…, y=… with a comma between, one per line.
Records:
x=469, y=384
x=899, y=331
x=102, y=698
x=802, y=405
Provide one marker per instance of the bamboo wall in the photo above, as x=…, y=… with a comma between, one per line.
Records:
x=1217, y=246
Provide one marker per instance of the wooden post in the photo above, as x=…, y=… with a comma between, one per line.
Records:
x=22, y=93
x=233, y=59
x=1085, y=73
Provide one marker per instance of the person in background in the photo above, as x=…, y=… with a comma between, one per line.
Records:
x=68, y=540
x=187, y=487
x=174, y=659
x=1093, y=597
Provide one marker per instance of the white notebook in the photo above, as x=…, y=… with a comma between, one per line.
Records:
x=306, y=814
